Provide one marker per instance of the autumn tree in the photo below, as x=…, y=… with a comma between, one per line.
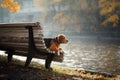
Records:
x=72, y=14
x=110, y=11
x=11, y=5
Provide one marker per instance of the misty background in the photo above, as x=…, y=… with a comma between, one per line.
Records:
x=91, y=46
x=70, y=17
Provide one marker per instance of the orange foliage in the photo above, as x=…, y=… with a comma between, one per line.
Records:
x=11, y=5
x=107, y=7
x=113, y=19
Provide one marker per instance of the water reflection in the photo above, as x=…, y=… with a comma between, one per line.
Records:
x=102, y=56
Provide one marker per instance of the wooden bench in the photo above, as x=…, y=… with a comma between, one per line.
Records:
x=25, y=39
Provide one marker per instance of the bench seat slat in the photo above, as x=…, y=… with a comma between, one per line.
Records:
x=40, y=56
x=22, y=48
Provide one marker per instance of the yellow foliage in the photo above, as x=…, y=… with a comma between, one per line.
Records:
x=107, y=7
x=106, y=11
x=11, y=5
x=113, y=19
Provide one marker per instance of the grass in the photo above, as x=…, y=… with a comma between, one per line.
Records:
x=38, y=72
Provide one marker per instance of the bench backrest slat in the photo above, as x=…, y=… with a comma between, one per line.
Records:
x=17, y=25
x=15, y=35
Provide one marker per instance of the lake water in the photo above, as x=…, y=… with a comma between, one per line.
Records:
x=90, y=54
x=93, y=54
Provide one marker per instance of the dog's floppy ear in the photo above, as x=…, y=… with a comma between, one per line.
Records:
x=59, y=37
x=56, y=38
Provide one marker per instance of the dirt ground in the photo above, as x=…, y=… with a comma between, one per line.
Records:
x=17, y=72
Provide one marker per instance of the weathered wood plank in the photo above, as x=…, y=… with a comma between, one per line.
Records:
x=19, y=35
x=37, y=24
x=22, y=41
x=38, y=40
x=40, y=56
x=19, y=31
x=14, y=44
x=22, y=48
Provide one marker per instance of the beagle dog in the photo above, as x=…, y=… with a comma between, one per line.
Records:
x=55, y=43
x=55, y=46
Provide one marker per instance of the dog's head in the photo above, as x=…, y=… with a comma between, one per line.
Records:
x=62, y=38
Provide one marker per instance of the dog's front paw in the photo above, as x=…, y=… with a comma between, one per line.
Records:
x=62, y=52
x=60, y=48
x=58, y=53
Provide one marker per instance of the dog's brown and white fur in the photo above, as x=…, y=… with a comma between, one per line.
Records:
x=55, y=43
x=55, y=46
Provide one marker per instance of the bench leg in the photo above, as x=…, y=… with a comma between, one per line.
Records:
x=29, y=58
x=10, y=55
x=31, y=46
x=48, y=61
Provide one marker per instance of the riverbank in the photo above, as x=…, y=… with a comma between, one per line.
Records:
x=16, y=71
